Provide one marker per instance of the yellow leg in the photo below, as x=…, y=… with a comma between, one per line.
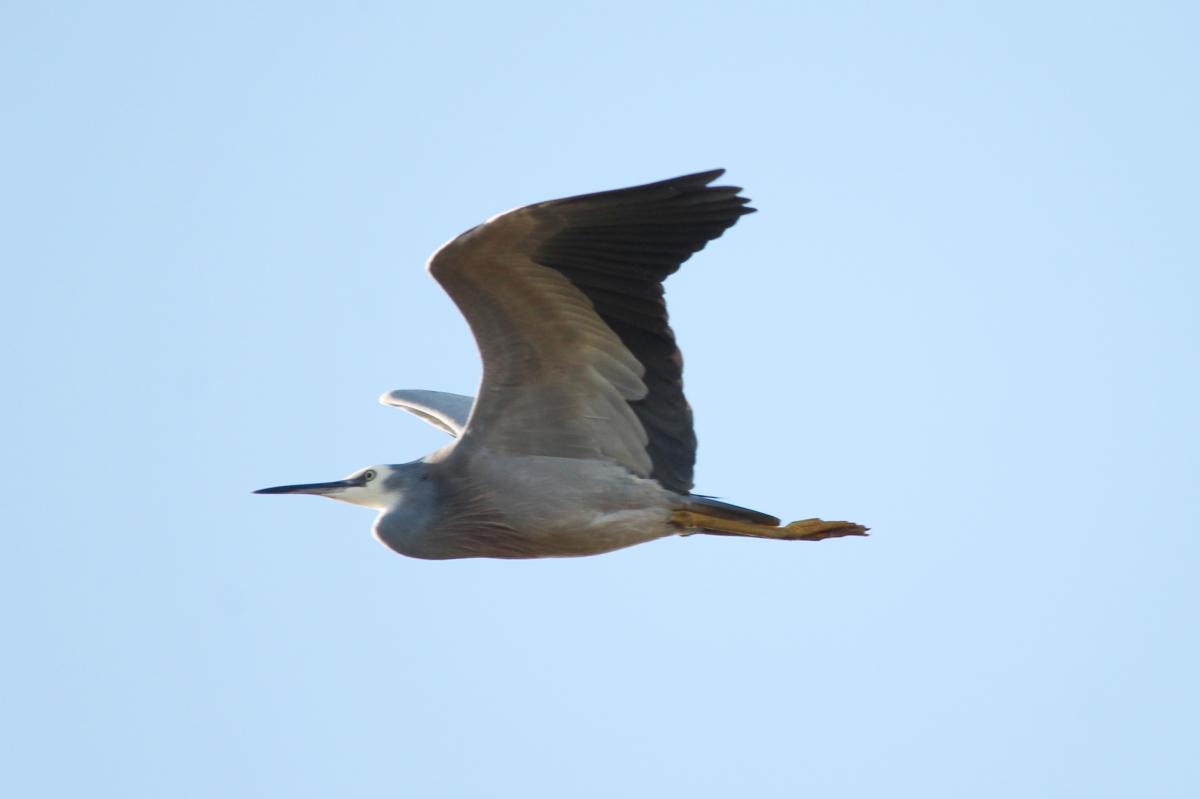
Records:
x=806, y=530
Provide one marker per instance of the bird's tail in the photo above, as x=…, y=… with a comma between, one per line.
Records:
x=707, y=506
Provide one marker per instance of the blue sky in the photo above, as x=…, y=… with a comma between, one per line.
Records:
x=965, y=316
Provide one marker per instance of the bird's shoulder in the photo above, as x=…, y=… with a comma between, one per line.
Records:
x=512, y=233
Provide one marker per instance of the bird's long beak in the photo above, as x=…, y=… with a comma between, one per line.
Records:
x=320, y=489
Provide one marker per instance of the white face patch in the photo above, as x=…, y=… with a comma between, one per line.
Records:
x=374, y=494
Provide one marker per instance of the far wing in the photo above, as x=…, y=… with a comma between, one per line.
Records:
x=565, y=301
x=445, y=411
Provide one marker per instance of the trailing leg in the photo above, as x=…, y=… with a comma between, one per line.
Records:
x=806, y=530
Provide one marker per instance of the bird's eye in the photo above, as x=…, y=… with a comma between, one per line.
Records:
x=368, y=475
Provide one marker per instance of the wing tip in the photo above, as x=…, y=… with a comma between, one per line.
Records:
x=707, y=176
x=689, y=185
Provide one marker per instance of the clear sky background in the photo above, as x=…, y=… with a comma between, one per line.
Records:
x=966, y=315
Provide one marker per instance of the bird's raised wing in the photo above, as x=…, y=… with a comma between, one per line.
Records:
x=445, y=411
x=565, y=300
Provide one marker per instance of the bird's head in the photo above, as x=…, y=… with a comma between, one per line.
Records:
x=378, y=487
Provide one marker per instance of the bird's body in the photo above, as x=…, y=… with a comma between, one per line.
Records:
x=552, y=507
x=581, y=440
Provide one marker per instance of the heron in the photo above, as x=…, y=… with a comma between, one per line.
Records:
x=580, y=440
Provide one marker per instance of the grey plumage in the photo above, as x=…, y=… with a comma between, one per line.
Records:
x=445, y=411
x=581, y=440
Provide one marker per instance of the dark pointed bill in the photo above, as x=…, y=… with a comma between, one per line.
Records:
x=311, y=488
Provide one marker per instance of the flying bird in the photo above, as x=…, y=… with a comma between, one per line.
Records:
x=581, y=440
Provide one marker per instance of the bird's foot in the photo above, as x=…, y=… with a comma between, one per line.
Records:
x=819, y=530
